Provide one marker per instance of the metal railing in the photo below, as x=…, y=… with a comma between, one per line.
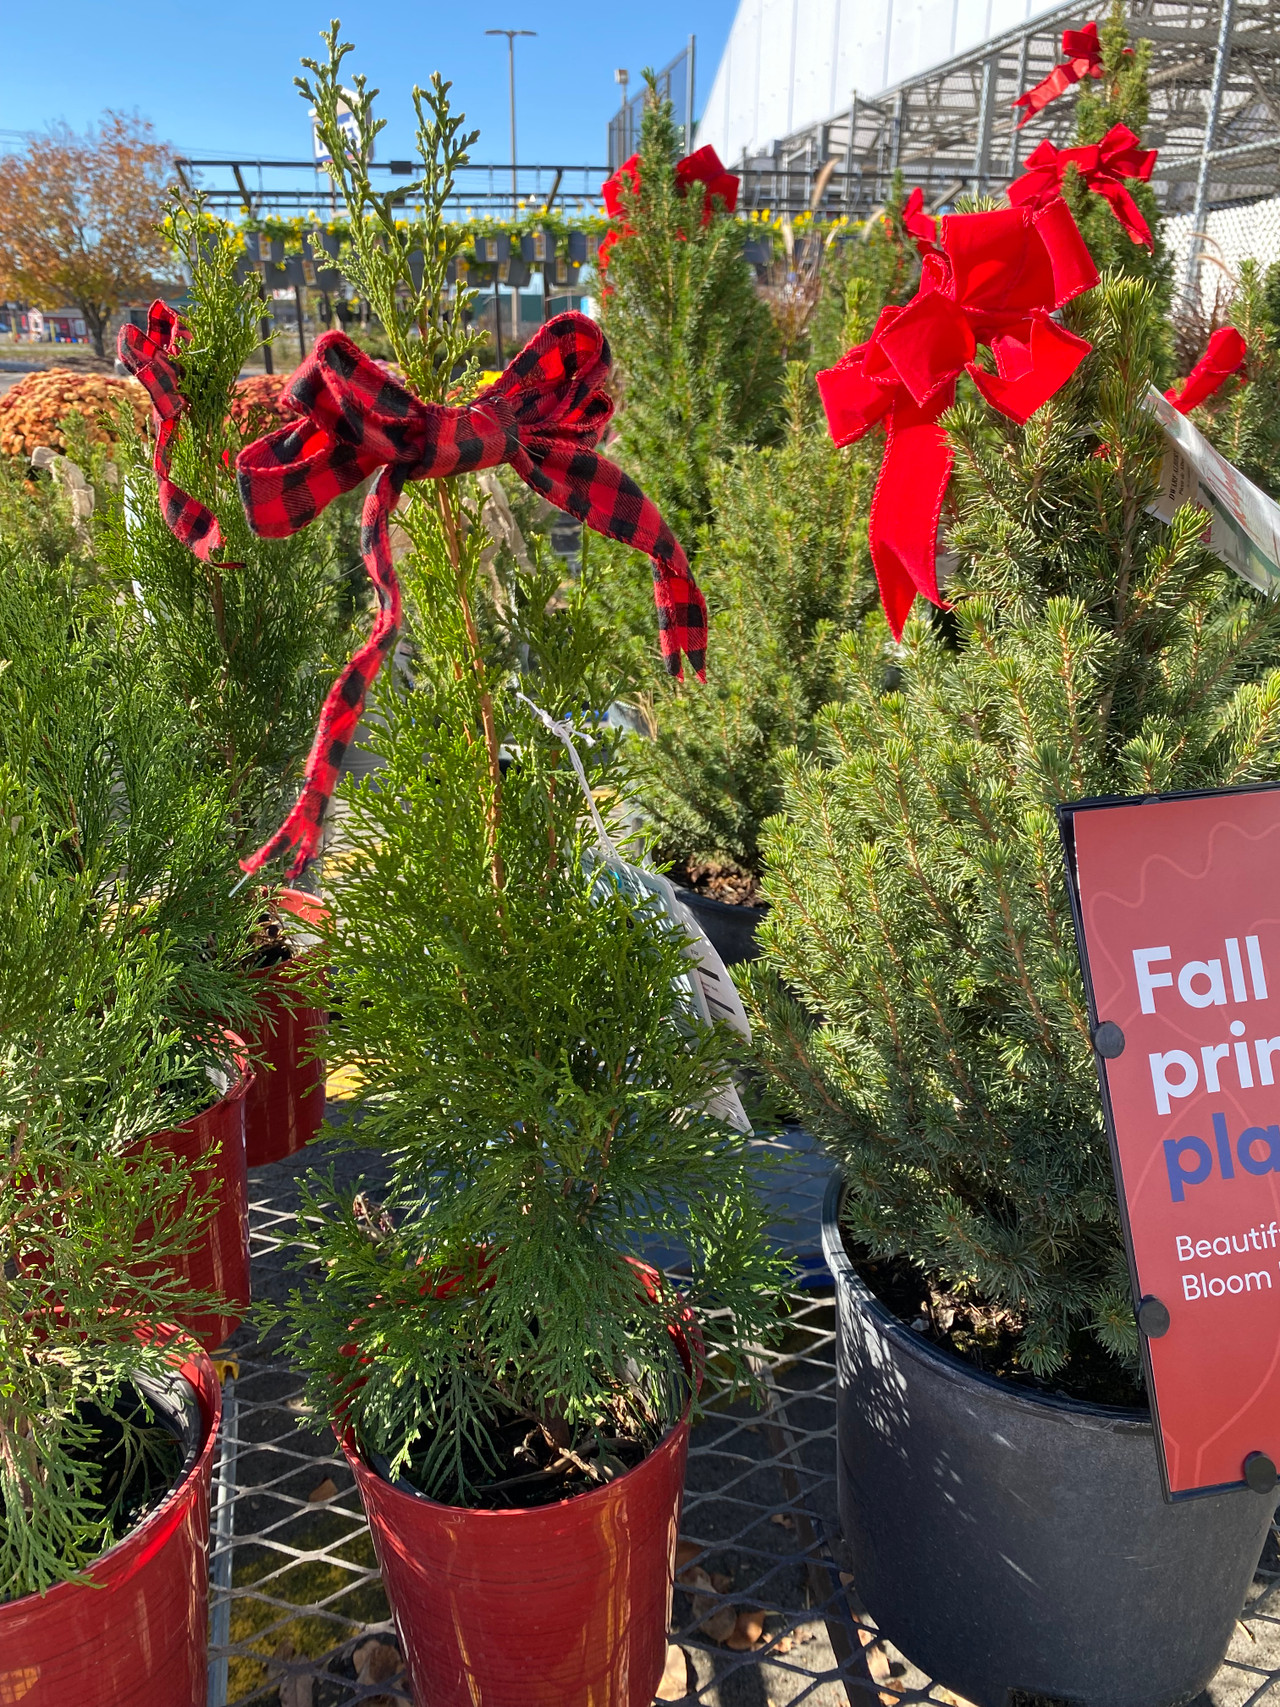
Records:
x=254, y=186
x=1214, y=116
x=675, y=84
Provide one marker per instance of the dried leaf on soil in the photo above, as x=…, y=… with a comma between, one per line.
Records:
x=323, y=1491
x=746, y=1633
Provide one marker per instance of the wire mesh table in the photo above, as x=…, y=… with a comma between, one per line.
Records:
x=767, y=1614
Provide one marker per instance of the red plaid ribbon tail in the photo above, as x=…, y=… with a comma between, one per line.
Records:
x=151, y=357
x=344, y=705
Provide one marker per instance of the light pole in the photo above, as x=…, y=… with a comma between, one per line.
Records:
x=515, y=206
x=622, y=77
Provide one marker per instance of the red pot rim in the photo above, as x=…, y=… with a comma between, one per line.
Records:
x=197, y=1366
x=693, y=1359
x=308, y=910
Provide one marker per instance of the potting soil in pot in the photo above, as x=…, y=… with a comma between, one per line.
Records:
x=540, y=1463
x=989, y=1336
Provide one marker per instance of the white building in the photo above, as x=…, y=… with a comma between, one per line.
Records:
x=793, y=63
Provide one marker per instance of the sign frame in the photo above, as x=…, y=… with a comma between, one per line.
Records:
x=1066, y=813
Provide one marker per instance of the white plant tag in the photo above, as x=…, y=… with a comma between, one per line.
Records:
x=1244, y=526
x=706, y=990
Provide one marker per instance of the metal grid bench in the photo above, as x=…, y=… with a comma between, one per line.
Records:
x=299, y=1616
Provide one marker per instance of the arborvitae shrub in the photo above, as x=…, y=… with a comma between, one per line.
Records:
x=528, y=1066
x=247, y=645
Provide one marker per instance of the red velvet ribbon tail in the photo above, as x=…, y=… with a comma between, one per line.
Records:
x=1224, y=356
x=340, y=715
x=905, y=510
x=1059, y=80
x=1126, y=210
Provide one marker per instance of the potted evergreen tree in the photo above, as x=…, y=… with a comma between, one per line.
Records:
x=108, y=1418
x=785, y=571
x=127, y=807
x=923, y=1005
x=240, y=630
x=511, y=1383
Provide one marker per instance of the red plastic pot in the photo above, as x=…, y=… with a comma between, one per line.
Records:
x=285, y=1105
x=564, y=1605
x=212, y=1144
x=136, y=1634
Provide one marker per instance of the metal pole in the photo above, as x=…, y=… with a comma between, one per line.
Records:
x=511, y=85
x=848, y=159
x=984, y=126
x=224, y=1524
x=1191, y=279
x=688, y=96
x=1015, y=135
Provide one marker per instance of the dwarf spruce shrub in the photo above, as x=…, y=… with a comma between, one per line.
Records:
x=921, y=988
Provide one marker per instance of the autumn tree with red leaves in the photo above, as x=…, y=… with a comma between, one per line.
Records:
x=80, y=218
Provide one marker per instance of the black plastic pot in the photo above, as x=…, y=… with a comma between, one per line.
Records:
x=1012, y=1544
x=731, y=930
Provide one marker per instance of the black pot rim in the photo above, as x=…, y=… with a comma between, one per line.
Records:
x=691, y=897
x=1081, y=1412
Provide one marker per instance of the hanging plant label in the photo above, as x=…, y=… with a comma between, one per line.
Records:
x=706, y=992
x=1244, y=524
x=1178, y=927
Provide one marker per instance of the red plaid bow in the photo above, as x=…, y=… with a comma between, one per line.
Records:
x=1084, y=59
x=150, y=357
x=995, y=279
x=1104, y=166
x=1224, y=356
x=544, y=416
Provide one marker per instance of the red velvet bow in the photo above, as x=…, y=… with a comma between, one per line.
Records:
x=995, y=279
x=918, y=224
x=150, y=356
x=1084, y=59
x=703, y=167
x=543, y=415
x=1224, y=356
x=1104, y=166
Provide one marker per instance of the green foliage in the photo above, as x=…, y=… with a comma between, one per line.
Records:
x=785, y=573
x=35, y=515
x=539, y=1088
x=697, y=353
x=1243, y=420
x=120, y=963
x=880, y=268
x=246, y=644
x=1118, y=97
x=937, y=1038
x=122, y=801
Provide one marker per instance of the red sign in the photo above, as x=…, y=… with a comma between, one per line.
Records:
x=1178, y=904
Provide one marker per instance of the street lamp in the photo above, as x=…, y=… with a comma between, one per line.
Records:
x=515, y=205
x=622, y=77
x=511, y=78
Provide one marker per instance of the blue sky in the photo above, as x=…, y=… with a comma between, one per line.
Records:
x=216, y=76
